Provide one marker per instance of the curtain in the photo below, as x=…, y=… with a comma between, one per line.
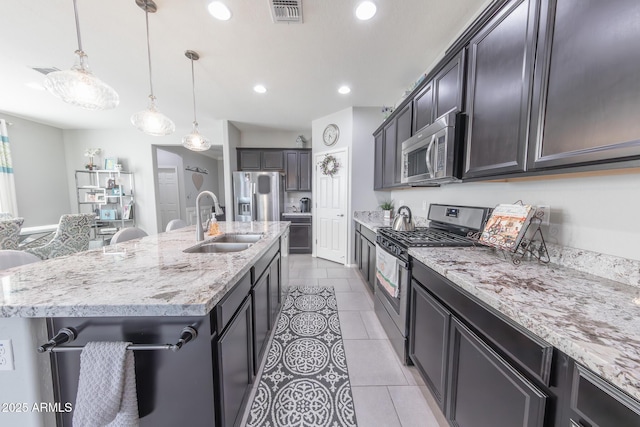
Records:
x=8, y=202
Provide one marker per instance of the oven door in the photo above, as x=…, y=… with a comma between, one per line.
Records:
x=390, y=268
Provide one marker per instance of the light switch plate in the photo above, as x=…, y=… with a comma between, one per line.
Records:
x=6, y=356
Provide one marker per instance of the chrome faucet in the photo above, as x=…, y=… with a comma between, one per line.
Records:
x=216, y=211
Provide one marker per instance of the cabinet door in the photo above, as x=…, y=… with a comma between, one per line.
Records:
x=447, y=86
x=377, y=168
x=272, y=160
x=371, y=264
x=274, y=290
x=423, y=108
x=499, y=86
x=291, y=171
x=365, y=249
x=235, y=366
x=260, y=296
x=249, y=160
x=389, y=155
x=484, y=390
x=596, y=403
x=300, y=238
x=304, y=171
x=357, y=252
x=587, y=83
x=429, y=340
x=403, y=132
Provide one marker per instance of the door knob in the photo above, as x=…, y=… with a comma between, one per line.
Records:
x=340, y=214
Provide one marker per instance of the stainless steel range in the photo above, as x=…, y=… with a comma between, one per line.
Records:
x=448, y=227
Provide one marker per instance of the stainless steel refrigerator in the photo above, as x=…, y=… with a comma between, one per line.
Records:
x=258, y=196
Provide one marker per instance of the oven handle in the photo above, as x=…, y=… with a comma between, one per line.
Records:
x=399, y=261
x=428, y=157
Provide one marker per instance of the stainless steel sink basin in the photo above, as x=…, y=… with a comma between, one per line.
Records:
x=217, y=247
x=238, y=238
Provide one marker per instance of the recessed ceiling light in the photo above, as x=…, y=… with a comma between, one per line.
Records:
x=34, y=85
x=344, y=90
x=260, y=89
x=219, y=10
x=365, y=10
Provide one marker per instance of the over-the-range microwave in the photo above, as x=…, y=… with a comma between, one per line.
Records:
x=432, y=156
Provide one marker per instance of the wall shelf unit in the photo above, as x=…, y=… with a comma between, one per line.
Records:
x=109, y=194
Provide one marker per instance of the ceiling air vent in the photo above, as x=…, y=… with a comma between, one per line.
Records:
x=45, y=70
x=286, y=11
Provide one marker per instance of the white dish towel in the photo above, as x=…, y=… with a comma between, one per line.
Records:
x=107, y=387
x=387, y=271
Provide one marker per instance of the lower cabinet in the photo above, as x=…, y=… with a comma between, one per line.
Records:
x=300, y=235
x=365, y=253
x=235, y=366
x=429, y=340
x=260, y=295
x=484, y=390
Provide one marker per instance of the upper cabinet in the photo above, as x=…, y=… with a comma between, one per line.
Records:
x=587, y=98
x=378, y=140
x=448, y=86
x=260, y=159
x=388, y=149
x=297, y=170
x=499, y=80
x=423, y=107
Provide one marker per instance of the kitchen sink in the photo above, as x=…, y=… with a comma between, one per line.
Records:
x=237, y=238
x=217, y=247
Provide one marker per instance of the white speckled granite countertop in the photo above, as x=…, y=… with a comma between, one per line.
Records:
x=293, y=214
x=594, y=320
x=371, y=219
x=146, y=277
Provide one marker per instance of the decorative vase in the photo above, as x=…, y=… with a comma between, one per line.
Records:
x=386, y=215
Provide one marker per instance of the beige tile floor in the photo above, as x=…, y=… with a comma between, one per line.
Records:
x=385, y=392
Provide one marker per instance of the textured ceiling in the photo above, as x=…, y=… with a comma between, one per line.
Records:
x=302, y=65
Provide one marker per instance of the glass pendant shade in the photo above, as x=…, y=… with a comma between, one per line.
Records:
x=78, y=86
x=196, y=142
x=153, y=122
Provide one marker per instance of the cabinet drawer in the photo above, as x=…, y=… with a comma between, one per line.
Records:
x=600, y=404
x=520, y=346
x=368, y=234
x=226, y=308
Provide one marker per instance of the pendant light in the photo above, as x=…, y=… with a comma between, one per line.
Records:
x=151, y=121
x=194, y=141
x=78, y=86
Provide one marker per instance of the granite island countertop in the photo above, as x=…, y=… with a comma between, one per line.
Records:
x=151, y=276
x=594, y=320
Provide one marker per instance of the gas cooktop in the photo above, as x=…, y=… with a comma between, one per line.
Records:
x=424, y=237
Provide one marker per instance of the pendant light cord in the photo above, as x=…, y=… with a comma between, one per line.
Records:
x=146, y=14
x=193, y=86
x=75, y=11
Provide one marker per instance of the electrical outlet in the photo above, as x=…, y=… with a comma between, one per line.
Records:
x=424, y=205
x=6, y=356
x=546, y=213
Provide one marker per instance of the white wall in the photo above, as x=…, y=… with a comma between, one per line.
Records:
x=134, y=151
x=272, y=138
x=40, y=171
x=169, y=158
x=231, y=137
x=365, y=121
x=597, y=213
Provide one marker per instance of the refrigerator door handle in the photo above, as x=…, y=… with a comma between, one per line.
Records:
x=254, y=202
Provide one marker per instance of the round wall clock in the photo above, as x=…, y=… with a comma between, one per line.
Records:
x=331, y=134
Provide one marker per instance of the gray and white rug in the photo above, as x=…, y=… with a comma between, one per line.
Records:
x=305, y=382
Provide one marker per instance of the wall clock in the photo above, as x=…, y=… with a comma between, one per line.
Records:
x=331, y=134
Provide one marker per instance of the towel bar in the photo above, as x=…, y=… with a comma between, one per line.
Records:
x=66, y=335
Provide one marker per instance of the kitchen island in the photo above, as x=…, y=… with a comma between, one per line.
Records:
x=146, y=291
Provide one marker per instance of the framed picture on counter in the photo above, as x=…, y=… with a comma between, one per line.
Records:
x=110, y=163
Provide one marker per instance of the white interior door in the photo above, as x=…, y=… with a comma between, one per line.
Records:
x=169, y=197
x=331, y=209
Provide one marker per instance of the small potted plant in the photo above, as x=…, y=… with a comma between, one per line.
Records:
x=387, y=207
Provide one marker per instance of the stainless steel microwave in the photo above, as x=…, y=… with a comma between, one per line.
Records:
x=431, y=155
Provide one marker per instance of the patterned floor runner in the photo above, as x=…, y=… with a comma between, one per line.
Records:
x=305, y=382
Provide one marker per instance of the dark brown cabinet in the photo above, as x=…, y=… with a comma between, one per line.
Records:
x=300, y=235
x=429, y=340
x=448, y=86
x=260, y=296
x=365, y=253
x=587, y=88
x=378, y=139
x=260, y=159
x=484, y=390
x=298, y=170
x=389, y=155
x=499, y=81
x=423, y=108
